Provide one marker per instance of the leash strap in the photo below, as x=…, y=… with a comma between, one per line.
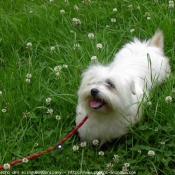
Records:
x=58, y=145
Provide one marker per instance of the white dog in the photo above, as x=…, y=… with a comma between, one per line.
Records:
x=111, y=96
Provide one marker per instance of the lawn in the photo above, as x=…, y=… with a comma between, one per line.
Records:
x=44, y=47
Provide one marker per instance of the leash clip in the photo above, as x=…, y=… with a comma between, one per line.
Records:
x=59, y=146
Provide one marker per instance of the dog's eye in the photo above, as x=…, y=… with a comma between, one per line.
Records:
x=110, y=85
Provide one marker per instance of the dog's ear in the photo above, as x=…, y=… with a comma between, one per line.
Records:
x=157, y=40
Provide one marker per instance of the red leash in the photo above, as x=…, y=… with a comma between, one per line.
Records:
x=58, y=145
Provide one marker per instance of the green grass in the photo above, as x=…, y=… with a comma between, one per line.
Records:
x=40, y=23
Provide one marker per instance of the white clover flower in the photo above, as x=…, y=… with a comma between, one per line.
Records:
x=162, y=142
x=147, y=14
x=149, y=103
x=57, y=117
x=76, y=46
x=151, y=153
x=113, y=20
x=30, y=11
x=76, y=7
x=83, y=144
x=99, y=46
x=48, y=100
x=148, y=18
x=114, y=9
x=101, y=153
x=168, y=99
x=52, y=48
x=132, y=30
x=171, y=4
x=75, y=148
x=100, y=173
x=127, y=165
x=29, y=76
x=138, y=7
x=86, y=1
x=25, y=160
x=57, y=74
x=156, y=129
x=29, y=45
x=57, y=68
x=109, y=166
x=65, y=66
x=107, y=26
x=26, y=114
x=4, y=110
x=28, y=80
x=51, y=0
x=124, y=169
x=95, y=142
x=6, y=166
x=36, y=144
x=67, y=2
x=0, y=93
x=94, y=59
x=139, y=151
x=91, y=35
x=62, y=11
x=76, y=21
x=130, y=7
x=50, y=111
x=116, y=158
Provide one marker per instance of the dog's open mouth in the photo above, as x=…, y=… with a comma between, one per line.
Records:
x=97, y=103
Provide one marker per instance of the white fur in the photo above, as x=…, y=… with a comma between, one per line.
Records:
x=137, y=68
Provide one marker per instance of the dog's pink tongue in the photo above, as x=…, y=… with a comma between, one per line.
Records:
x=96, y=103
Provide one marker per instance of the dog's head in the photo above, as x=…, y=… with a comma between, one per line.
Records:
x=104, y=90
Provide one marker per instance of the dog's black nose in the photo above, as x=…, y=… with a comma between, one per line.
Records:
x=94, y=92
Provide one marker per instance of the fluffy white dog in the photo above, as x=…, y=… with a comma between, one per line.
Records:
x=111, y=96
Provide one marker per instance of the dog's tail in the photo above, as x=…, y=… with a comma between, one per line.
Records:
x=158, y=39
